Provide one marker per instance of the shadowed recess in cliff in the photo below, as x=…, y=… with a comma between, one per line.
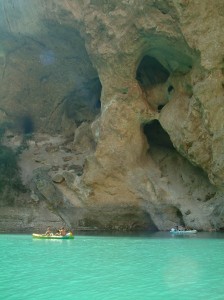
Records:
x=156, y=135
x=83, y=103
x=152, y=76
x=174, y=214
x=150, y=72
x=25, y=124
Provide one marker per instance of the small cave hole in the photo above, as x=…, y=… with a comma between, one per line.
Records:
x=170, y=89
x=160, y=107
x=156, y=135
x=150, y=72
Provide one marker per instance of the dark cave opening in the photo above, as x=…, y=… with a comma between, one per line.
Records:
x=160, y=107
x=83, y=103
x=170, y=89
x=27, y=125
x=156, y=135
x=151, y=72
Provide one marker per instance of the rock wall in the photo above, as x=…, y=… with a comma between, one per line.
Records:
x=132, y=92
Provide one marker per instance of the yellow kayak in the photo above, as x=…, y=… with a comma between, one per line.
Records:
x=57, y=237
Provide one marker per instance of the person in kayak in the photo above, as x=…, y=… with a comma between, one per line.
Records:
x=58, y=232
x=48, y=232
x=62, y=231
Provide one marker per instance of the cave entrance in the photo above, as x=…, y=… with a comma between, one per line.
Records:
x=156, y=135
x=83, y=103
x=150, y=72
x=151, y=76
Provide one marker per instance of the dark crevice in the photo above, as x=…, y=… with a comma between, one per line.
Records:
x=179, y=216
x=160, y=107
x=156, y=135
x=170, y=88
x=83, y=103
x=150, y=72
x=27, y=125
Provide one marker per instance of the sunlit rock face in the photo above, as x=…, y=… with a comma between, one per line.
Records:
x=133, y=93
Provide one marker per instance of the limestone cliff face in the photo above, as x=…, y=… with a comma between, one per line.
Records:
x=124, y=102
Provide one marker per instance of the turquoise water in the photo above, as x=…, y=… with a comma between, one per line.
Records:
x=156, y=266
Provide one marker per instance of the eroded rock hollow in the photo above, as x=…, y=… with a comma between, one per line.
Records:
x=114, y=110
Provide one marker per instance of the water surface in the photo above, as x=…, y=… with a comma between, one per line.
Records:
x=150, y=266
